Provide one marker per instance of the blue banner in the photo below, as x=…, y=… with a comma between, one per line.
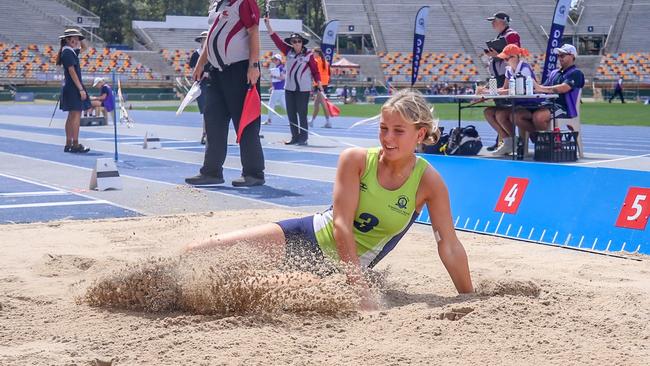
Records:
x=418, y=41
x=555, y=36
x=329, y=40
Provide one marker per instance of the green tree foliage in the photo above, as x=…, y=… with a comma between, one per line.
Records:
x=116, y=15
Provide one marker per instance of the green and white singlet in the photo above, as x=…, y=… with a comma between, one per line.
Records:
x=382, y=217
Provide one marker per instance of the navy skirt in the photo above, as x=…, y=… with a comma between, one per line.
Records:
x=70, y=100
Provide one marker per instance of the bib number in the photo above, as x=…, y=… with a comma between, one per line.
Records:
x=366, y=222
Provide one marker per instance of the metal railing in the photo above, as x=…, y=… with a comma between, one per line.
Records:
x=78, y=8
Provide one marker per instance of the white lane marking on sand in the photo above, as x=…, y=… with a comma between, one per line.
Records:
x=50, y=204
x=30, y=194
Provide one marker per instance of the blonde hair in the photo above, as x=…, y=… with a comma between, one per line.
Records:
x=412, y=107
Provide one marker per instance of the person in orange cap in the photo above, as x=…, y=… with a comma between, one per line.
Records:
x=516, y=65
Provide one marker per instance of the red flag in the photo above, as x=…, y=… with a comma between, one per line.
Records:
x=332, y=109
x=252, y=110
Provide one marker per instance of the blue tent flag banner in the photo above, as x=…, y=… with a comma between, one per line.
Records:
x=418, y=41
x=329, y=40
x=555, y=36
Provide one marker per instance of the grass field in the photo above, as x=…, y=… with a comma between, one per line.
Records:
x=597, y=113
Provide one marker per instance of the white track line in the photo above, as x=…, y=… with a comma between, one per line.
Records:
x=51, y=204
x=30, y=194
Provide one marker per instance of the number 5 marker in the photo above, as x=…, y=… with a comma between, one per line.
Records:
x=636, y=209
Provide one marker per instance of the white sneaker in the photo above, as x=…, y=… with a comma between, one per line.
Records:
x=327, y=124
x=267, y=122
x=311, y=123
x=505, y=148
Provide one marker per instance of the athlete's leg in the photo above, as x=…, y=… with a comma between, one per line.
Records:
x=267, y=236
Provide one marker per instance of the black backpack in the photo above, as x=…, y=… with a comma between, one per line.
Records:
x=463, y=141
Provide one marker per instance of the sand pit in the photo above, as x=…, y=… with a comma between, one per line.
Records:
x=534, y=304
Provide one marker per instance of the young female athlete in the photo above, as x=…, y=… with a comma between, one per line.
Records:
x=378, y=193
x=74, y=97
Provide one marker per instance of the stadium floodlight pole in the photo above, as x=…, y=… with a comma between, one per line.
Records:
x=115, y=116
x=419, y=31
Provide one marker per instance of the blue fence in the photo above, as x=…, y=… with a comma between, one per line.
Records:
x=598, y=209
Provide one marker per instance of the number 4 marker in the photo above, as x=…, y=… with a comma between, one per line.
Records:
x=511, y=195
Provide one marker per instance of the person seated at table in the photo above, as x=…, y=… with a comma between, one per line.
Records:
x=567, y=81
x=501, y=118
x=516, y=64
x=105, y=100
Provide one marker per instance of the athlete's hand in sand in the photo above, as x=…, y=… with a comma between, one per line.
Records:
x=368, y=302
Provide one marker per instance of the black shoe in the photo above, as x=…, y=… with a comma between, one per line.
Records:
x=495, y=146
x=248, y=181
x=203, y=139
x=302, y=143
x=78, y=149
x=201, y=180
x=291, y=142
x=67, y=148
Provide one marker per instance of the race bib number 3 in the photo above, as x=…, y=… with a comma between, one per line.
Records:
x=511, y=195
x=636, y=209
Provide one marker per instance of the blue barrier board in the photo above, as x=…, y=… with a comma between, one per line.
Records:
x=598, y=209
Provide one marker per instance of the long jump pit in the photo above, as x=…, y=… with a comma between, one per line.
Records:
x=117, y=292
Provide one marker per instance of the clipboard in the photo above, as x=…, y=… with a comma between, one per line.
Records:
x=497, y=44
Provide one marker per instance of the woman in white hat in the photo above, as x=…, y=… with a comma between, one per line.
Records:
x=74, y=98
x=194, y=59
x=302, y=71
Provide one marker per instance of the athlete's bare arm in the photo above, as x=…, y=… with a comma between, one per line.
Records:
x=450, y=249
x=346, y=199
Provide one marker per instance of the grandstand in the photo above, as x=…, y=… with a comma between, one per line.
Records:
x=376, y=34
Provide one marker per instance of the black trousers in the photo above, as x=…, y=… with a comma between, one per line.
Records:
x=224, y=100
x=297, y=103
x=619, y=93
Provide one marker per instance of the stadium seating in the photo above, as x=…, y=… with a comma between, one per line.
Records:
x=39, y=62
x=631, y=66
